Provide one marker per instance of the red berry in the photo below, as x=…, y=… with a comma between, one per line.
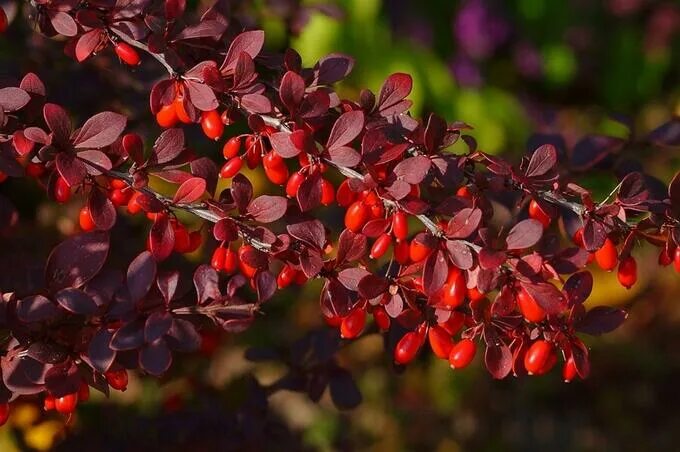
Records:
x=62, y=190
x=218, y=257
x=286, y=276
x=127, y=53
x=327, y=193
x=117, y=379
x=382, y=320
x=407, y=348
x=49, y=402
x=3, y=20
x=195, y=240
x=464, y=192
x=232, y=147
x=440, y=342
x=35, y=169
x=85, y=220
x=275, y=168
x=418, y=251
x=212, y=125
x=676, y=259
x=120, y=197
x=537, y=356
x=253, y=151
x=454, y=290
x=83, y=392
x=133, y=206
x=569, y=371
x=627, y=273
x=474, y=294
x=182, y=240
x=247, y=270
x=380, y=246
x=578, y=238
x=66, y=404
x=181, y=111
x=454, y=323
x=462, y=354
x=293, y=185
x=230, y=261
x=356, y=216
x=665, y=259
x=607, y=256
x=167, y=116
x=529, y=307
x=4, y=407
x=345, y=196
x=537, y=213
x=231, y=167
x=400, y=225
x=402, y=252
x=353, y=324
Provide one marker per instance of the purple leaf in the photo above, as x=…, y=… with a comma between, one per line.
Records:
x=190, y=191
x=460, y=254
x=348, y=126
x=100, y=130
x=344, y=156
x=87, y=43
x=97, y=158
x=283, y=145
x=601, y=320
x=168, y=146
x=267, y=208
x=100, y=353
x=542, y=161
x=76, y=301
x=344, y=391
x=250, y=42
x=63, y=23
x=241, y=192
x=13, y=99
x=578, y=287
x=102, y=210
x=225, y=230
x=70, y=168
x=292, y=90
x=156, y=325
x=498, y=360
x=392, y=94
x=141, y=274
x=265, y=285
x=161, y=238
x=464, y=223
x=413, y=169
x=435, y=271
x=204, y=29
x=667, y=134
x=36, y=308
x=524, y=234
x=311, y=262
x=183, y=336
x=309, y=192
x=155, y=358
x=128, y=337
x=206, y=283
x=311, y=232
x=58, y=122
x=76, y=260
x=201, y=96
x=333, y=68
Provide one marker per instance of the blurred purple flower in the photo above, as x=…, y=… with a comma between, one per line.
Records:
x=466, y=71
x=478, y=30
x=527, y=60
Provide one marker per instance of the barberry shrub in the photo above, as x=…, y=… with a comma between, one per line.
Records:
x=458, y=253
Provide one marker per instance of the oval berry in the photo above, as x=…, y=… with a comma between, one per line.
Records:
x=167, y=116
x=293, y=185
x=327, y=193
x=120, y=197
x=212, y=125
x=231, y=168
x=182, y=240
x=537, y=356
x=382, y=320
x=537, y=213
x=286, y=276
x=49, y=402
x=627, y=273
x=344, y=195
x=454, y=323
x=62, y=190
x=85, y=220
x=127, y=53
x=407, y=348
x=117, y=379
x=529, y=308
x=569, y=371
x=676, y=259
x=4, y=407
x=230, y=261
x=402, y=252
x=400, y=225
x=275, y=168
x=353, y=324
x=3, y=20
x=247, y=270
x=418, y=251
x=454, y=290
x=133, y=205
x=441, y=342
x=217, y=260
x=607, y=256
x=356, y=216
x=181, y=111
x=665, y=259
x=231, y=148
x=462, y=354
x=66, y=404
x=380, y=246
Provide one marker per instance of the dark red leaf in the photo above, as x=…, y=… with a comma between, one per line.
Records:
x=155, y=358
x=348, y=126
x=333, y=68
x=311, y=232
x=141, y=274
x=547, y=296
x=99, y=352
x=206, y=283
x=413, y=169
x=128, y=337
x=76, y=260
x=265, y=285
x=498, y=360
x=100, y=130
x=578, y=287
x=70, y=168
x=542, y=161
x=292, y=90
x=435, y=271
x=464, y=223
x=267, y=208
x=168, y=146
x=601, y=320
x=460, y=254
x=225, y=230
x=394, y=90
x=156, y=325
x=58, y=122
x=524, y=234
x=13, y=99
x=250, y=42
x=309, y=193
x=76, y=301
x=190, y=191
x=36, y=308
x=102, y=210
x=161, y=238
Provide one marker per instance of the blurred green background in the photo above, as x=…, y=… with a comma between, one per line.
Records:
x=510, y=69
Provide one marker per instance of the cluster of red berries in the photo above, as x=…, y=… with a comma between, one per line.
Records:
x=66, y=404
x=212, y=122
